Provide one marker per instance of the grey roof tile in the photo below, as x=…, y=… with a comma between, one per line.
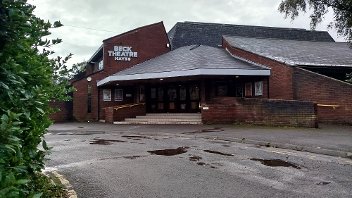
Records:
x=195, y=33
x=191, y=58
x=293, y=52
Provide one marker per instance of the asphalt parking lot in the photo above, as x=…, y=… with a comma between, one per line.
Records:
x=103, y=160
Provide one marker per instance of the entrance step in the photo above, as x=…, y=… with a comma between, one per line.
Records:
x=165, y=118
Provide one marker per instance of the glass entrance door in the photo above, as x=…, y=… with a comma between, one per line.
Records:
x=173, y=98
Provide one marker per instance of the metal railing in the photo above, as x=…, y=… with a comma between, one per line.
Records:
x=127, y=106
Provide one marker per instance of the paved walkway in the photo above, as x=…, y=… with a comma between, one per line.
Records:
x=334, y=140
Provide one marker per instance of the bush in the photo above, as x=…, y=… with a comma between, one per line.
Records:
x=29, y=80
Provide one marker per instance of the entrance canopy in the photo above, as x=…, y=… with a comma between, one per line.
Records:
x=194, y=60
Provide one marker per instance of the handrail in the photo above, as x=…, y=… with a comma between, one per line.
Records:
x=328, y=105
x=127, y=106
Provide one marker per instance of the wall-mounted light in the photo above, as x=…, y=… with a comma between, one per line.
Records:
x=117, y=84
x=161, y=79
x=236, y=76
x=89, y=78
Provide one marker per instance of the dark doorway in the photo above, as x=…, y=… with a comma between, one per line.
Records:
x=173, y=98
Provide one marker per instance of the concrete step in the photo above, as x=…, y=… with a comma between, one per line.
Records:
x=163, y=119
x=158, y=122
x=174, y=116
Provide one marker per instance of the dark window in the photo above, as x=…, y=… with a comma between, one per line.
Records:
x=89, y=99
x=118, y=94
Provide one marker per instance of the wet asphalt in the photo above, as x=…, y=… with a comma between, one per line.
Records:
x=103, y=160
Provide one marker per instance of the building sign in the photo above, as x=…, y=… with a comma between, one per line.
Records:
x=122, y=53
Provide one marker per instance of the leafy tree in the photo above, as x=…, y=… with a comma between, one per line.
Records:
x=77, y=68
x=29, y=80
x=342, y=15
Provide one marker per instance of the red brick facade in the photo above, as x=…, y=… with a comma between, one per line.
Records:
x=64, y=112
x=293, y=83
x=280, y=80
x=332, y=96
x=149, y=41
x=230, y=110
x=113, y=114
x=286, y=83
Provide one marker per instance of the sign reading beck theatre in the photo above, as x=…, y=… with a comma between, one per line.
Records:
x=123, y=53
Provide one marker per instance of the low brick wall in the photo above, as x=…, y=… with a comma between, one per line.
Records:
x=117, y=113
x=65, y=111
x=332, y=96
x=228, y=110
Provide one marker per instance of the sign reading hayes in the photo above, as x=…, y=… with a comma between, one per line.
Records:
x=123, y=53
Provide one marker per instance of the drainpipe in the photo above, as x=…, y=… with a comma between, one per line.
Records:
x=98, y=103
x=268, y=89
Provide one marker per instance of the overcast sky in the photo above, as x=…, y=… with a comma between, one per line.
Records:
x=88, y=22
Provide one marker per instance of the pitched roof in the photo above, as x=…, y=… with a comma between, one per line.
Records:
x=195, y=33
x=191, y=60
x=292, y=52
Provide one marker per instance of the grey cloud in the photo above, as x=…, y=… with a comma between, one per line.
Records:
x=121, y=16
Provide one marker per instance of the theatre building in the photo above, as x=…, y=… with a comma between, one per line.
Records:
x=216, y=73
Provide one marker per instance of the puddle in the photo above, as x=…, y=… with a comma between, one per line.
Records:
x=82, y=133
x=104, y=141
x=276, y=162
x=170, y=152
x=135, y=137
x=132, y=157
x=216, y=129
x=323, y=183
x=218, y=152
x=195, y=158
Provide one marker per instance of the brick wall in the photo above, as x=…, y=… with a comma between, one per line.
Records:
x=149, y=41
x=65, y=111
x=280, y=80
x=113, y=114
x=332, y=96
x=260, y=111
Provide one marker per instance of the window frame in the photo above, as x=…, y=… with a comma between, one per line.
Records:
x=118, y=98
x=107, y=92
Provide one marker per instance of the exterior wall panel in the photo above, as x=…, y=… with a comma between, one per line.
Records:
x=149, y=41
x=332, y=96
x=280, y=80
